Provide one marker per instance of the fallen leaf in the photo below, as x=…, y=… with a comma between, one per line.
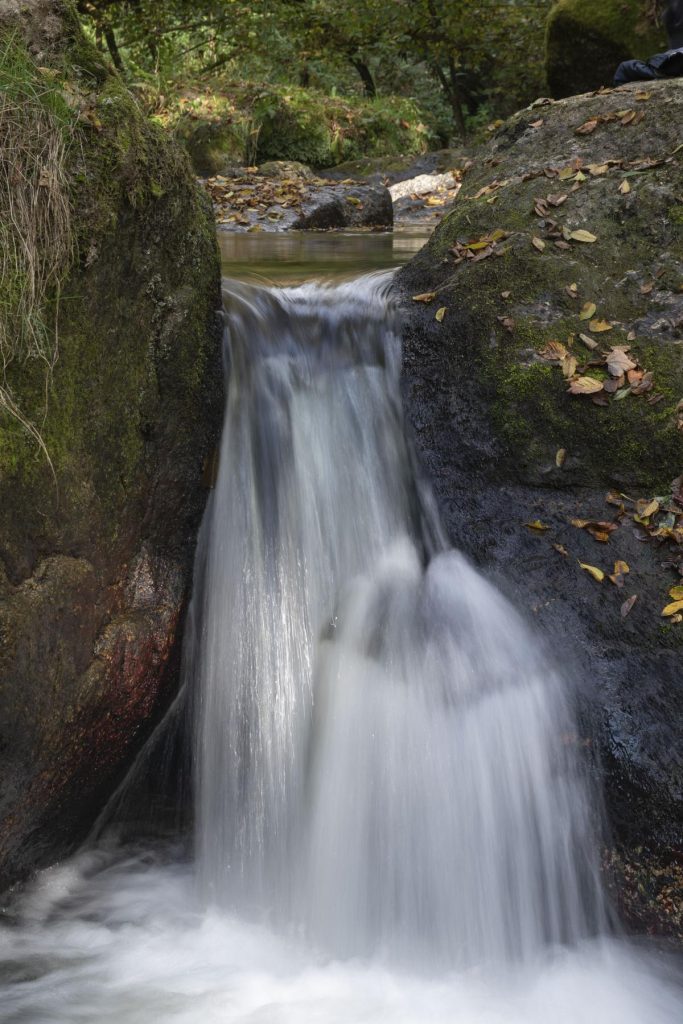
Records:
x=587, y=127
x=553, y=351
x=588, y=341
x=622, y=394
x=583, y=236
x=536, y=124
x=560, y=457
x=628, y=605
x=598, y=169
x=557, y=199
x=672, y=609
x=569, y=365
x=507, y=322
x=538, y=243
x=620, y=570
x=624, y=188
x=424, y=297
x=676, y=593
x=562, y=245
x=618, y=362
x=561, y=549
x=505, y=295
x=643, y=96
x=628, y=117
x=440, y=314
x=572, y=290
x=587, y=311
x=596, y=573
x=645, y=289
x=585, y=386
x=644, y=385
x=537, y=525
x=598, y=326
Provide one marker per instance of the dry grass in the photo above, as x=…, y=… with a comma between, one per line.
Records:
x=36, y=241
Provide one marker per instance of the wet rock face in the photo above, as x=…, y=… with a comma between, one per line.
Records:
x=489, y=415
x=96, y=559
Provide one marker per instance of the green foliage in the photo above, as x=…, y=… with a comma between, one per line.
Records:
x=459, y=61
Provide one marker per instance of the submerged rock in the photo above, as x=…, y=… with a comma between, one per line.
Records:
x=506, y=445
x=97, y=530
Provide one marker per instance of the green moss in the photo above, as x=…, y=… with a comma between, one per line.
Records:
x=585, y=41
x=676, y=214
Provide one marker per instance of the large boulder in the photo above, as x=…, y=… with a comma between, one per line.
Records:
x=505, y=444
x=109, y=408
x=586, y=41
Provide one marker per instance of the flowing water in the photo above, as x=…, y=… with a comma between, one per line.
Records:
x=390, y=825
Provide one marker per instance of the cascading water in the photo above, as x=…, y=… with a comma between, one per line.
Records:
x=379, y=744
x=391, y=825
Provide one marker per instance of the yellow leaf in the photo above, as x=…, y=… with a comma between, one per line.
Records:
x=587, y=311
x=598, y=169
x=560, y=457
x=621, y=568
x=424, y=297
x=596, y=573
x=537, y=525
x=624, y=188
x=598, y=326
x=583, y=236
x=566, y=173
x=650, y=509
x=585, y=386
x=672, y=609
x=440, y=314
x=538, y=243
x=434, y=201
x=676, y=593
x=569, y=365
x=588, y=341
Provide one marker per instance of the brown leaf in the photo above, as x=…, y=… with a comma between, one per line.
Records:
x=581, y=235
x=562, y=245
x=644, y=385
x=538, y=243
x=561, y=549
x=645, y=289
x=572, y=290
x=585, y=386
x=628, y=117
x=618, y=362
x=424, y=297
x=628, y=605
x=587, y=128
x=553, y=351
x=507, y=322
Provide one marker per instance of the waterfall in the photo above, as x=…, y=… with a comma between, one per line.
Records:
x=382, y=749
x=391, y=822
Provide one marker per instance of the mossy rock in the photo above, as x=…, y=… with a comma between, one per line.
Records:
x=586, y=41
x=96, y=548
x=489, y=415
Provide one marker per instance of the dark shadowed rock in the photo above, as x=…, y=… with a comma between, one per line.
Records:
x=95, y=560
x=489, y=416
x=587, y=40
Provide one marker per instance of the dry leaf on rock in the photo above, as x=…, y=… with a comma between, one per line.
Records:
x=585, y=386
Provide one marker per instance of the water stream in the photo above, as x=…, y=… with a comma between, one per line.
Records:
x=389, y=823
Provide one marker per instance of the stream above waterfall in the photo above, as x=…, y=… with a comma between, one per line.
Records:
x=391, y=823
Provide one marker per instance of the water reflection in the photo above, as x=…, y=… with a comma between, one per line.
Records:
x=296, y=256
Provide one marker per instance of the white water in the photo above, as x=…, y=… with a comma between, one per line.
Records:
x=391, y=823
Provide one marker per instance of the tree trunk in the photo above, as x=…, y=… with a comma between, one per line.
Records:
x=369, y=87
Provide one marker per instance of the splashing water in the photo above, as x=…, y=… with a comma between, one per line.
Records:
x=390, y=823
